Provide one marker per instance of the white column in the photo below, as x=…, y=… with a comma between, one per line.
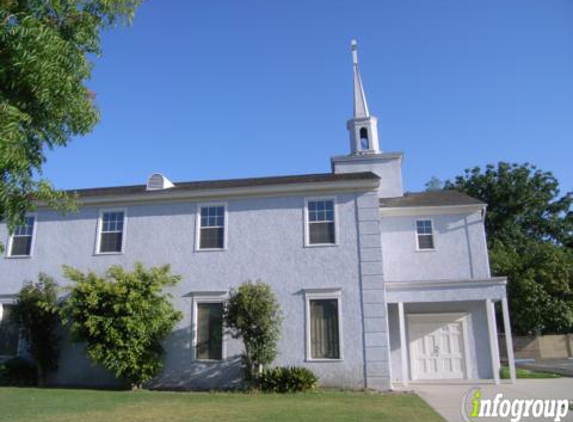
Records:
x=403, y=345
x=493, y=345
x=508, y=339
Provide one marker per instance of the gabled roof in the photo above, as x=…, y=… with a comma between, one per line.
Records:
x=227, y=184
x=430, y=199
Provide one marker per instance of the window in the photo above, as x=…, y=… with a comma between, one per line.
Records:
x=321, y=222
x=212, y=227
x=21, y=242
x=324, y=324
x=209, y=345
x=112, y=225
x=9, y=332
x=364, y=142
x=425, y=234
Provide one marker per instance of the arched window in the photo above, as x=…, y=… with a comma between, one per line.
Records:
x=364, y=142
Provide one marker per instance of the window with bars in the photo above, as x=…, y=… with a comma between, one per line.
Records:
x=111, y=231
x=212, y=230
x=321, y=223
x=324, y=329
x=21, y=243
x=425, y=234
x=209, y=331
x=9, y=332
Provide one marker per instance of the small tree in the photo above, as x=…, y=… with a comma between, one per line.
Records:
x=123, y=317
x=37, y=315
x=253, y=314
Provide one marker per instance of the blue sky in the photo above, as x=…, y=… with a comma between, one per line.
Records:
x=226, y=89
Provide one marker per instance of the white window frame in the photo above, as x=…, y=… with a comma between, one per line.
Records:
x=225, y=205
x=9, y=300
x=307, y=222
x=418, y=249
x=11, y=238
x=323, y=294
x=206, y=297
x=100, y=227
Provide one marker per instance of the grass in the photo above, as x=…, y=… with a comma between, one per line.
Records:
x=526, y=373
x=46, y=405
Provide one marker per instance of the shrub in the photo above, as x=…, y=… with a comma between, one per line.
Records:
x=123, y=317
x=18, y=372
x=253, y=314
x=289, y=379
x=37, y=314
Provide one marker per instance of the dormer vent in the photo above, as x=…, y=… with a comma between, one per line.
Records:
x=157, y=181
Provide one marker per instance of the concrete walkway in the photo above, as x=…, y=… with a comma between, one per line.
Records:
x=559, y=366
x=447, y=398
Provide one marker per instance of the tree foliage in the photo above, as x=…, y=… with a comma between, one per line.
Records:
x=37, y=314
x=253, y=314
x=529, y=226
x=45, y=46
x=123, y=318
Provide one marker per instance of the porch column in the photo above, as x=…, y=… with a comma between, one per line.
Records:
x=403, y=345
x=493, y=345
x=508, y=339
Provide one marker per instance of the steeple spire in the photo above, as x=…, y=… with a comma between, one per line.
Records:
x=360, y=104
x=363, y=127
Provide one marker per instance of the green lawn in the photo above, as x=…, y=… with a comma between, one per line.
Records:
x=526, y=373
x=38, y=405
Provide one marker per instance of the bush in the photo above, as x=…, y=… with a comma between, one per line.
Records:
x=288, y=379
x=253, y=314
x=18, y=372
x=123, y=317
x=37, y=314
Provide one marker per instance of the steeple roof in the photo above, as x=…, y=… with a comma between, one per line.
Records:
x=360, y=104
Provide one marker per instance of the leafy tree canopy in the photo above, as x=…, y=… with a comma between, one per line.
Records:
x=529, y=226
x=45, y=46
x=123, y=318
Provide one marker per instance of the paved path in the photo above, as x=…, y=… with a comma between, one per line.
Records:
x=559, y=366
x=447, y=398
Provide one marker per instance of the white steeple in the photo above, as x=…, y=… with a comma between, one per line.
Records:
x=363, y=127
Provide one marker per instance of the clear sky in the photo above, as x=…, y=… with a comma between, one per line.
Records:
x=227, y=89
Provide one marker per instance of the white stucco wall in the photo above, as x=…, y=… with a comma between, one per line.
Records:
x=460, y=248
x=265, y=242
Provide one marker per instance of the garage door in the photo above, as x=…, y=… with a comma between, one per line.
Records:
x=436, y=347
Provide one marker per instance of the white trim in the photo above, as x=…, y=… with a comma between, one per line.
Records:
x=32, y=244
x=306, y=221
x=174, y=195
x=433, y=234
x=442, y=317
x=99, y=228
x=404, y=344
x=10, y=300
x=206, y=297
x=424, y=284
x=427, y=210
x=323, y=294
x=493, y=345
x=225, y=205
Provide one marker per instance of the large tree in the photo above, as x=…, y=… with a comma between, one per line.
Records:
x=529, y=226
x=45, y=51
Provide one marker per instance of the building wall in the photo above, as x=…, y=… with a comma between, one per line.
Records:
x=460, y=248
x=265, y=242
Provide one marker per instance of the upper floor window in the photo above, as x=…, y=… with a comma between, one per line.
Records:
x=9, y=332
x=425, y=234
x=21, y=240
x=364, y=141
x=321, y=222
x=112, y=227
x=212, y=227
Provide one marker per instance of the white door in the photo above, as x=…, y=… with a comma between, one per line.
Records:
x=436, y=349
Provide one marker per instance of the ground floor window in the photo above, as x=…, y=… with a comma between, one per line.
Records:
x=323, y=325
x=209, y=331
x=9, y=332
